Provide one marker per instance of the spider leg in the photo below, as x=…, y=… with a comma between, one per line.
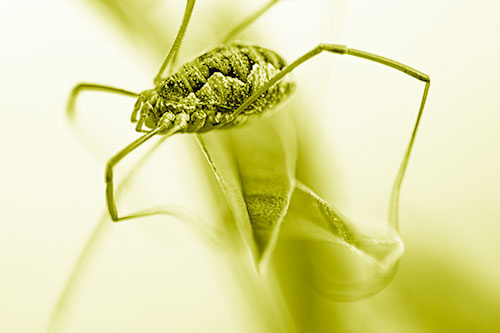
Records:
x=86, y=136
x=341, y=49
x=110, y=196
x=86, y=255
x=249, y=20
x=70, y=106
x=179, y=124
x=172, y=53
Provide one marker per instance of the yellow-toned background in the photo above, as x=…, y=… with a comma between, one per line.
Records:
x=52, y=184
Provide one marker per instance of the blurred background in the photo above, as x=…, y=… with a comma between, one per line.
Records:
x=150, y=279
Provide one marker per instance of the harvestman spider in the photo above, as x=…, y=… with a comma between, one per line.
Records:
x=219, y=89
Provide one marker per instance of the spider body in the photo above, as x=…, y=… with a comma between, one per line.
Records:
x=206, y=91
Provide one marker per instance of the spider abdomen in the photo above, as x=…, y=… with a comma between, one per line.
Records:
x=214, y=84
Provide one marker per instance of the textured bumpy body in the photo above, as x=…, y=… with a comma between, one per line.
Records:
x=212, y=86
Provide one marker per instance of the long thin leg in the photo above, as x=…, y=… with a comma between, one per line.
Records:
x=86, y=136
x=172, y=53
x=86, y=255
x=396, y=187
x=110, y=197
x=249, y=20
x=70, y=106
x=341, y=49
x=179, y=124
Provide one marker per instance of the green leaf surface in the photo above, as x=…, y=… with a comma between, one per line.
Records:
x=344, y=262
x=255, y=166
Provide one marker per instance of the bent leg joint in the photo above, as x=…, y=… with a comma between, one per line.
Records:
x=335, y=48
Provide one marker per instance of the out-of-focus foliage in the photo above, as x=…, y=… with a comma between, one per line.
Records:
x=318, y=249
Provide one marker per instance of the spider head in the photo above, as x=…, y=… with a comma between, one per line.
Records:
x=146, y=110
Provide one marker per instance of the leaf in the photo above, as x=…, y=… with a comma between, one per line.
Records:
x=327, y=238
x=255, y=165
